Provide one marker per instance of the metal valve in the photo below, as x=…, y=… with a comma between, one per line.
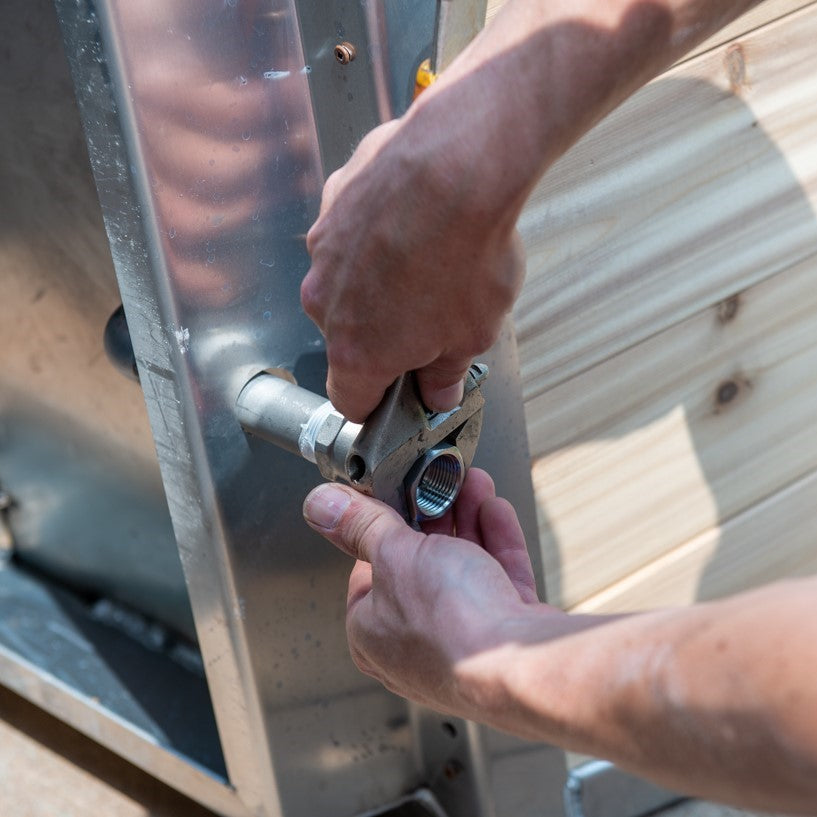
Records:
x=412, y=459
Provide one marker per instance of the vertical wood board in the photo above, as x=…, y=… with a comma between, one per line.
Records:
x=665, y=440
x=759, y=16
x=687, y=194
x=775, y=539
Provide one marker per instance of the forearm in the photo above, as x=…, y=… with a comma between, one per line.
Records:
x=544, y=72
x=720, y=697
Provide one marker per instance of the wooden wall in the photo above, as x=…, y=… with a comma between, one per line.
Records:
x=668, y=330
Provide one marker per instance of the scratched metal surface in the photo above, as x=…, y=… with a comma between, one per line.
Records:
x=76, y=453
x=211, y=126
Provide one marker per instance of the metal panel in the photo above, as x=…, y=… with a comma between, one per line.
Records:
x=211, y=126
x=133, y=698
x=599, y=789
x=76, y=453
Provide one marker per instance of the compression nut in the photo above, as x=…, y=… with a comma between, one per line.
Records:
x=434, y=482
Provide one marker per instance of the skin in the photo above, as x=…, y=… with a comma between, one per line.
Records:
x=716, y=700
x=415, y=263
x=415, y=257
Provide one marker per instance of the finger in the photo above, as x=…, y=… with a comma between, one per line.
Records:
x=360, y=584
x=331, y=187
x=444, y=526
x=357, y=524
x=503, y=538
x=477, y=488
x=442, y=382
x=356, y=391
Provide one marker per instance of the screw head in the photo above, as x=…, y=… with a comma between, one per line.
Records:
x=345, y=53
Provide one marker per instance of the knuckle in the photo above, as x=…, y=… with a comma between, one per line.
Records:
x=313, y=237
x=344, y=353
x=484, y=336
x=330, y=189
x=311, y=300
x=442, y=374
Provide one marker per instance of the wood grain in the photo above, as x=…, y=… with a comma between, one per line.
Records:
x=757, y=17
x=692, y=191
x=665, y=440
x=771, y=540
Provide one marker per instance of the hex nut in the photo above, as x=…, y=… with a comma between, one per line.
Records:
x=325, y=440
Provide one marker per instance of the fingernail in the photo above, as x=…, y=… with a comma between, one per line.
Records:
x=325, y=505
x=448, y=398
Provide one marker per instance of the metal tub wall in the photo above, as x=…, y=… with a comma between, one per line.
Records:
x=211, y=126
x=76, y=454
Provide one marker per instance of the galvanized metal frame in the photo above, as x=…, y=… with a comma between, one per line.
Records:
x=301, y=731
x=597, y=788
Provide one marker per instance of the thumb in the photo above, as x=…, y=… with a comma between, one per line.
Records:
x=442, y=383
x=357, y=524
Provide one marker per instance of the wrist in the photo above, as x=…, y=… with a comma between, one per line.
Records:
x=501, y=683
x=540, y=76
x=566, y=679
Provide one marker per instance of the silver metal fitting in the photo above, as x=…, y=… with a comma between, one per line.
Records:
x=411, y=458
x=434, y=482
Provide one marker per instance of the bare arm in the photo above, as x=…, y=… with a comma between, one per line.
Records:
x=717, y=700
x=415, y=255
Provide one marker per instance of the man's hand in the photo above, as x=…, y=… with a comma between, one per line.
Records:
x=421, y=604
x=716, y=700
x=415, y=259
x=409, y=270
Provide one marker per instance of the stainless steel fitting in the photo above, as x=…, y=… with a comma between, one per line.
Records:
x=412, y=459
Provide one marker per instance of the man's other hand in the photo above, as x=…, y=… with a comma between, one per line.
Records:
x=412, y=268
x=421, y=604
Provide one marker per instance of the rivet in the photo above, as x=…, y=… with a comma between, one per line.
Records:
x=345, y=52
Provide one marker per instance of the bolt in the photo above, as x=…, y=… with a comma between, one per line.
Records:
x=345, y=53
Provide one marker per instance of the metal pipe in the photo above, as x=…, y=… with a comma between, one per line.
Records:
x=410, y=458
x=278, y=411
